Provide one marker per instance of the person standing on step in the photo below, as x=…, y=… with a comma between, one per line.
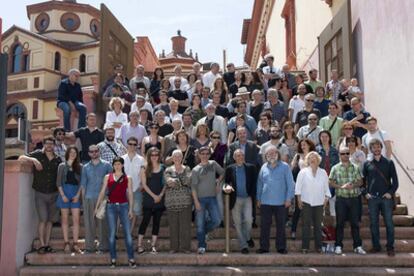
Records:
x=118, y=187
x=312, y=191
x=275, y=191
x=381, y=182
x=346, y=179
x=134, y=167
x=205, y=186
x=110, y=148
x=45, y=163
x=68, y=183
x=60, y=147
x=240, y=179
x=92, y=176
x=153, y=203
x=178, y=203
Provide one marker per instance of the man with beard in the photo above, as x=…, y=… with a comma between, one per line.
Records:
x=275, y=136
x=109, y=148
x=275, y=190
x=45, y=163
x=60, y=147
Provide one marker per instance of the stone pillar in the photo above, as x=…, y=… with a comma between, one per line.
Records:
x=19, y=217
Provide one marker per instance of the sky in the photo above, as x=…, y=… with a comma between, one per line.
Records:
x=209, y=26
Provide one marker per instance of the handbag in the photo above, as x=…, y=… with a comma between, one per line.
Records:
x=100, y=213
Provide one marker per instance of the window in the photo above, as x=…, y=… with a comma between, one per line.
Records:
x=16, y=111
x=94, y=26
x=57, y=61
x=42, y=22
x=17, y=59
x=82, y=63
x=70, y=21
x=334, y=55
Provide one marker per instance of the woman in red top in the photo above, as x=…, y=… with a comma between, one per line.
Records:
x=120, y=203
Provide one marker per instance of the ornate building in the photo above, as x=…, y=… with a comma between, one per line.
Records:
x=145, y=54
x=62, y=35
x=178, y=55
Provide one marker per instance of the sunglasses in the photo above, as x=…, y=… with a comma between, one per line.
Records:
x=132, y=144
x=344, y=153
x=215, y=137
x=93, y=151
x=310, y=100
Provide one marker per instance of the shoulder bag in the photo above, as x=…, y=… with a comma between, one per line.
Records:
x=100, y=213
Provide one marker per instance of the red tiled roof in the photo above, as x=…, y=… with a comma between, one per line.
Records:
x=145, y=54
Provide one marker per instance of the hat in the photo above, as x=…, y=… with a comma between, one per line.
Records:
x=242, y=91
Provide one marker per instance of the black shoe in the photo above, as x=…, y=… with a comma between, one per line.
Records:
x=282, y=251
x=245, y=251
x=254, y=225
x=56, y=224
x=374, y=250
x=222, y=224
x=250, y=243
x=261, y=251
x=390, y=252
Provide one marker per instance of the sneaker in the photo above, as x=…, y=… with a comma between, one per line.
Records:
x=245, y=251
x=201, y=250
x=338, y=250
x=282, y=251
x=250, y=243
x=254, y=225
x=207, y=237
x=113, y=263
x=293, y=236
x=359, y=250
x=154, y=250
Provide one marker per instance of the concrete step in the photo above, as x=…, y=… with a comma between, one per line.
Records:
x=218, y=245
x=401, y=232
x=208, y=271
x=234, y=259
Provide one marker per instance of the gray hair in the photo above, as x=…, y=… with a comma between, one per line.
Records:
x=272, y=92
x=177, y=152
x=272, y=148
x=73, y=71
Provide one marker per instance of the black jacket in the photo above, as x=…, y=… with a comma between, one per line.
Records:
x=251, y=178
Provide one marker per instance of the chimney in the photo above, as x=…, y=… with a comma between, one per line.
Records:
x=178, y=43
x=191, y=52
x=196, y=57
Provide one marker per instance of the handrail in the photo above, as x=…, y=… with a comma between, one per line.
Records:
x=404, y=168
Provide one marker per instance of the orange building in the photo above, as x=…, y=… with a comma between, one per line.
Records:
x=145, y=54
x=178, y=55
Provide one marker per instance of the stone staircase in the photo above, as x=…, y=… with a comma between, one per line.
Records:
x=218, y=263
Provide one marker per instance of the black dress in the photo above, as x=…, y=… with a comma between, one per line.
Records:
x=155, y=184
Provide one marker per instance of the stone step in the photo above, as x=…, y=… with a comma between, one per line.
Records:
x=208, y=271
x=234, y=259
x=218, y=245
x=401, y=232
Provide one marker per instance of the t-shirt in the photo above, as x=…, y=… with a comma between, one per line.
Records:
x=203, y=178
x=302, y=116
x=296, y=104
x=368, y=137
x=283, y=149
x=179, y=96
x=88, y=138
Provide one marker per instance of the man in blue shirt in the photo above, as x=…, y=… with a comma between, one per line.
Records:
x=275, y=190
x=92, y=176
x=70, y=97
x=357, y=117
x=240, y=179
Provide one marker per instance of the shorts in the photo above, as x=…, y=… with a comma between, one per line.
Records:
x=137, y=203
x=46, y=207
x=70, y=192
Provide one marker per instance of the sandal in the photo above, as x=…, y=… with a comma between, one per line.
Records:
x=76, y=248
x=49, y=249
x=41, y=250
x=132, y=263
x=140, y=250
x=66, y=247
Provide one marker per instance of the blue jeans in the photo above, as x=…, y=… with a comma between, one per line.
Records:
x=204, y=226
x=113, y=211
x=242, y=218
x=385, y=206
x=80, y=107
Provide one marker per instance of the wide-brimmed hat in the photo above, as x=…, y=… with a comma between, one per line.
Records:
x=242, y=91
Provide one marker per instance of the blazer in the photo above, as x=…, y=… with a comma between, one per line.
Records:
x=219, y=124
x=251, y=178
x=251, y=154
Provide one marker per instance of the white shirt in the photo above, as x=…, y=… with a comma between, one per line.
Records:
x=133, y=168
x=183, y=86
x=314, y=136
x=146, y=106
x=297, y=104
x=380, y=135
x=173, y=116
x=273, y=70
x=111, y=118
x=312, y=189
x=209, y=78
x=133, y=82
